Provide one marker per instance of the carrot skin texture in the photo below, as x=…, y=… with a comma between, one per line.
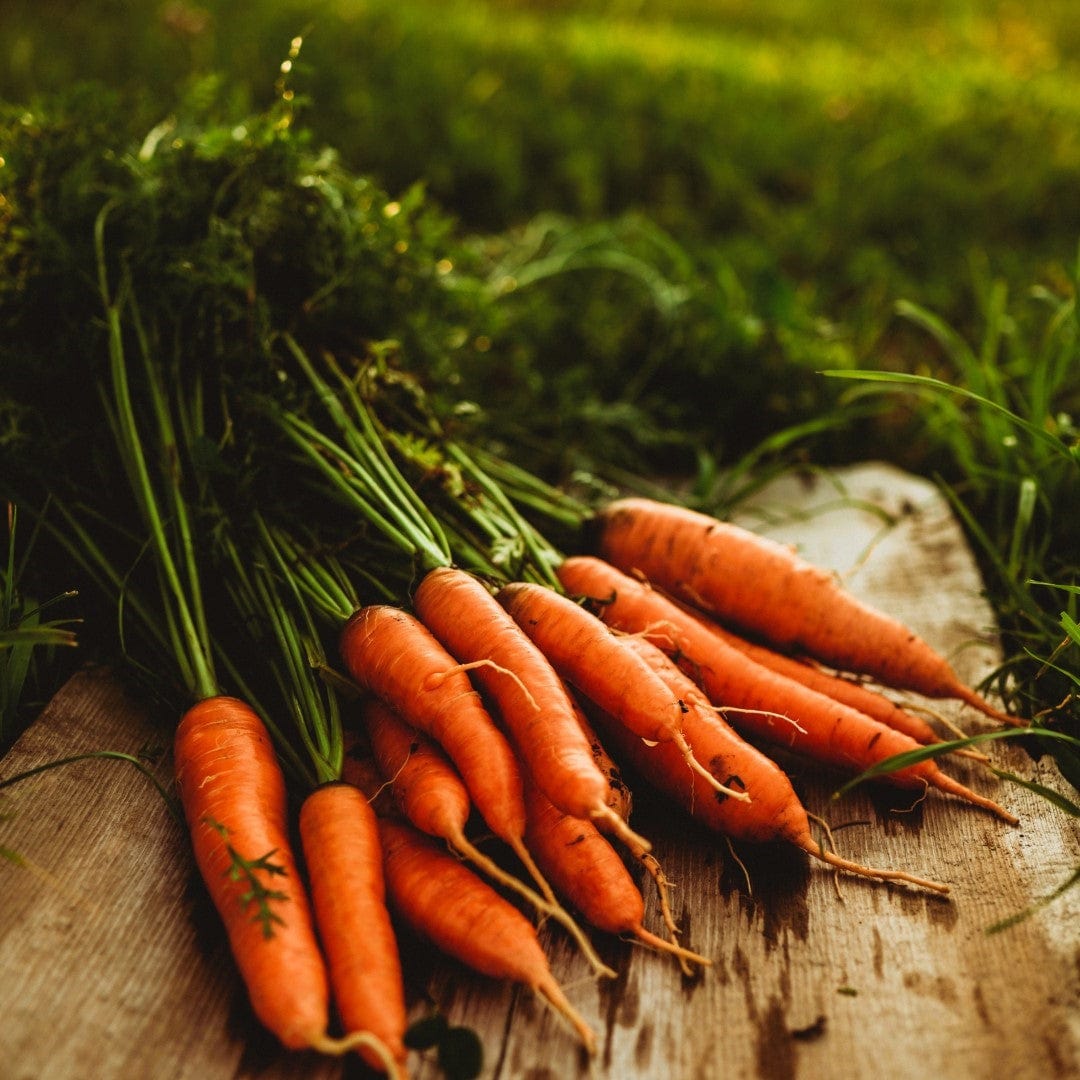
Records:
x=828, y=731
x=345, y=868
x=593, y=660
x=446, y=902
x=392, y=654
x=763, y=587
x=228, y=777
x=532, y=700
x=850, y=693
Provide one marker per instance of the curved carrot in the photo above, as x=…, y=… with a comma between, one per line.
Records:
x=233, y=795
x=434, y=799
x=762, y=702
x=446, y=902
x=533, y=701
x=765, y=588
x=344, y=862
x=587, y=870
x=588, y=656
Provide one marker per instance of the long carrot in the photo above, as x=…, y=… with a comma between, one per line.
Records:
x=775, y=814
x=532, y=700
x=344, y=858
x=233, y=795
x=587, y=870
x=810, y=723
x=446, y=902
x=590, y=658
x=837, y=687
x=433, y=797
x=766, y=589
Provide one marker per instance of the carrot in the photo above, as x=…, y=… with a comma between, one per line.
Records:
x=434, y=799
x=447, y=903
x=589, y=657
x=532, y=700
x=764, y=588
x=816, y=726
x=344, y=860
x=619, y=796
x=774, y=814
x=393, y=655
x=587, y=870
x=845, y=690
x=233, y=794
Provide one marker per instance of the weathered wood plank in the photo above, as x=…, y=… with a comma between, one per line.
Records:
x=114, y=965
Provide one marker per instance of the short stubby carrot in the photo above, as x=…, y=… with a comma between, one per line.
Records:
x=764, y=588
x=585, y=653
x=434, y=799
x=343, y=854
x=533, y=702
x=233, y=794
x=588, y=872
x=445, y=901
x=759, y=701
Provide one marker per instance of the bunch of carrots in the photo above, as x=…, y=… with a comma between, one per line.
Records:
x=499, y=683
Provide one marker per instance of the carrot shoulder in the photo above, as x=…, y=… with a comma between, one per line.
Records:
x=233, y=795
x=344, y=861
x=766, y=589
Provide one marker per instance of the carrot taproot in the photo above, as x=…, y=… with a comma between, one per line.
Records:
x=343, y=855
x=619, y=796
x=764, y=703
x=775, y=814
x=856, y=694
x=533, y=702
x=443, y=900
x=433, y=797
x=587, y=870
x=233, y=794
x=584, y=652
x=765, y=588
x=394, y=656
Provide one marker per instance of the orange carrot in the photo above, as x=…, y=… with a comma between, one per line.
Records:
x=839, y=688
x=619, y=796
x=233, y=795
x=764, y=588
x=808, y=722
x=392, y=654
x=533, y=702
x=587, y=870
x=446, y=902
x=774, y=814
x=434, y=799
x=592, y=659
x=344, y=861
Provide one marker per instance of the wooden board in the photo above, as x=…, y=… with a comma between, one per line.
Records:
x=112, y=963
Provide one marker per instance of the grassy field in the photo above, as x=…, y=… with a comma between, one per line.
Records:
x=665, y=219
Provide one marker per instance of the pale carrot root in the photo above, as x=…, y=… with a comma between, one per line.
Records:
x=815, y=849
x=551, y=992
x=684, y=955
x=338, y=1046
x=944, y=782
x=607, y=820
x=687, y=752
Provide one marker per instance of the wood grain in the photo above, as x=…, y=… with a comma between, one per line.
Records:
x=112, y=963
